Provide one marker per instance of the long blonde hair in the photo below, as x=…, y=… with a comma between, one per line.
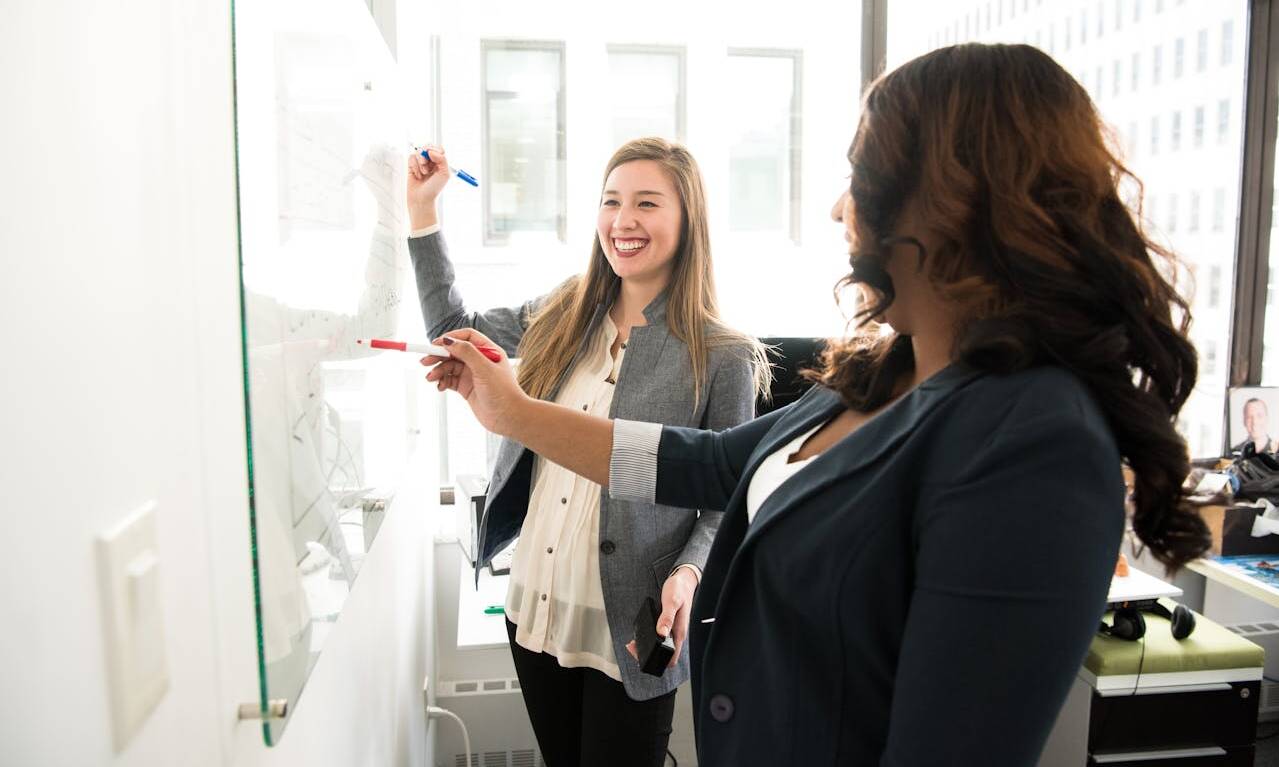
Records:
x=692, y=310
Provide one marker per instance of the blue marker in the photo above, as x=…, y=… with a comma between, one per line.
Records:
x=467, y=177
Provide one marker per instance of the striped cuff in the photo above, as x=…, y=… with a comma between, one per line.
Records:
x=632, y=469
x=424, y=231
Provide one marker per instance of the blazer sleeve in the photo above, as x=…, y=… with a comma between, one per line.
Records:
x=729, y=402
x=676, y=466
x=442, y=306
x=1013, y=562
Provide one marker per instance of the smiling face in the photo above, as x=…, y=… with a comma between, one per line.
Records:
x=639, y=222
x=1256, y=420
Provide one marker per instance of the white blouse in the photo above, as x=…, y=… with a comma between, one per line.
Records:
x=555, y=598
x=774, y=470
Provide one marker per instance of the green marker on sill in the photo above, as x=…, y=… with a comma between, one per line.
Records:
x=494, y=610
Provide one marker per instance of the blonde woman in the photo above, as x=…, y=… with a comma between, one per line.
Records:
x=637, y=336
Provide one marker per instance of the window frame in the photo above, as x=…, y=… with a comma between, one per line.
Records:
x=561, y=120
x=795, y=131
x=1256, y=195
x=680, y=52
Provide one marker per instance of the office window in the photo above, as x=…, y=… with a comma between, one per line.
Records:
x=537, y=122
x=1185, y=191
x=1101, y=19
x=764, y=142
x=1159, y=6
x=524, y=146
x=987, y=17
x=1068, y=27
x=1083, y=27
x=1098, y=90
x=646, y=91
x=1227, y=42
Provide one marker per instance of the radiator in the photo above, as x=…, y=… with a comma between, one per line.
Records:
x=493, y=710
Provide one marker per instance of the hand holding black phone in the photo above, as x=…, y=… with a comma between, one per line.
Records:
x=655, y=651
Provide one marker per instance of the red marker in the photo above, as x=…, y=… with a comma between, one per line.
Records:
x=438, y=351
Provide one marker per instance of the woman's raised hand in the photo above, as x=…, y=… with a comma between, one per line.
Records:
x=488, y=387
x=426, y=180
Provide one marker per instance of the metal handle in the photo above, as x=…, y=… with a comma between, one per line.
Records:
x=276, y=708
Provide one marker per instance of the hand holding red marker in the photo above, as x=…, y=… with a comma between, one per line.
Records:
x=439, y=351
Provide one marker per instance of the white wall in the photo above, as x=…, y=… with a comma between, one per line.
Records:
x=122, y=383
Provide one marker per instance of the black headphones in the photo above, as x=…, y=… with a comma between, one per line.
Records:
x=1128, y=624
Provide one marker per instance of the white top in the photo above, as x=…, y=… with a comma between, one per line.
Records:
x=555, y=598
x=776, y=469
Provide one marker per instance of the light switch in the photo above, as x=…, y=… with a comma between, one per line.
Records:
x=129, y=577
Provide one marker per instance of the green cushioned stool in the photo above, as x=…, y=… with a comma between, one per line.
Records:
x=1158, y=700
x=1211, y=654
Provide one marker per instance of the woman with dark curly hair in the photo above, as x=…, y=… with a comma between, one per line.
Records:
x=915, y=555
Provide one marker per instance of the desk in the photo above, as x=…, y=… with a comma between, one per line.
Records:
x=1236, y=578
x=1138, y=586
x=475, y=629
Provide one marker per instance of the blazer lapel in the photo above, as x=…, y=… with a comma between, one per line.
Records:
x=868, y=444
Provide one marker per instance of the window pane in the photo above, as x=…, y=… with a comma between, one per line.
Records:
x=523, y=123
x=761, y=142
x=1189, y=157
x=646, y=93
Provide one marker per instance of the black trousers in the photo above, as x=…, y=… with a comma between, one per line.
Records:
x=583, y=718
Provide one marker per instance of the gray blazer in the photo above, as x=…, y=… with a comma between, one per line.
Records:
x=640, y=543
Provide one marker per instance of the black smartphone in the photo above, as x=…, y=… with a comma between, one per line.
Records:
x=655, y=651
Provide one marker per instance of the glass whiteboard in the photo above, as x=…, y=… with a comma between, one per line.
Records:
x=320, y=145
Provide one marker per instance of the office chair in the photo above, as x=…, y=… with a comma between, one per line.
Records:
x=788, y=356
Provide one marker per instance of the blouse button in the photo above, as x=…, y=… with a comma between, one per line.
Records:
x=563, y=500
x=543, y=597
x=583, y=407
x=549, y=549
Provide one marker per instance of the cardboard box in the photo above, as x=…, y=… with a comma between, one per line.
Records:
x=1231, y=528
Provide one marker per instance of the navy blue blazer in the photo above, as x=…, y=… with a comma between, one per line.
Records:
x=922, y=593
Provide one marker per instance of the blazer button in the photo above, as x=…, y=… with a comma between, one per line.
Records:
x=608, y=547
x=721, y=708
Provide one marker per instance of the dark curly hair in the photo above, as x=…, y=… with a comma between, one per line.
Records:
x=1004, y=156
